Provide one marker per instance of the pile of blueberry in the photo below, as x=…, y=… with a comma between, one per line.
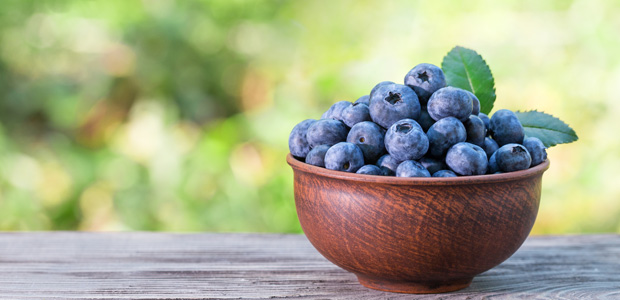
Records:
x=418, y=129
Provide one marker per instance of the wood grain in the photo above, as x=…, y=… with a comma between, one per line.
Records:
x=66, y=265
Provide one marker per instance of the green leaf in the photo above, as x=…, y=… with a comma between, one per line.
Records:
x=465, y=69
x=549, y=129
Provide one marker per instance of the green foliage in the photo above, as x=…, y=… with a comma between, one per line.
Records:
x=465, y=69
x=119, y=115
x=174, y=115
x=549, y=129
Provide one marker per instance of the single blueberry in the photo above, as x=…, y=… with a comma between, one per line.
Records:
x=405, y=140
x=411, y=168
x=432, y=164
x=363, y=99
x=450, y=102
x=368, y=136
x=489, y=146
x=444, y=173
x=512, y=157
x=492, y=167
x=392, y=103
x=425, y=79
x=475, y=103
x=326, y=132
x=379, y=85
x=388, y=163
x=537, y=150
x=506, y=128
x=335, y=111
x=358, y=112
x=467, y=159
x=425, y=120
x=370, y=170
x=476, y=131
x=487, y=122
x=444, y=134
x=316, y=156
x=344, y=157
x=297, y=141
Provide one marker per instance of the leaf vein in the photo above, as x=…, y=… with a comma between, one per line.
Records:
x=467, y=73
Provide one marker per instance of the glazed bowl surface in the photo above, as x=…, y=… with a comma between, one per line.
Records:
x=416, y=235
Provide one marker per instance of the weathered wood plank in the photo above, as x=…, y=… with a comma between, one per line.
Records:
x=64, y=265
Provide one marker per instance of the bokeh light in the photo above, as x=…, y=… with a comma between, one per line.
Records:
x=175, y=115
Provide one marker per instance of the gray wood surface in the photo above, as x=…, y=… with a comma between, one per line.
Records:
x=64, y=265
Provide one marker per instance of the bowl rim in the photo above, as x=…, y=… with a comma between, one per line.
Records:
x=300, y=166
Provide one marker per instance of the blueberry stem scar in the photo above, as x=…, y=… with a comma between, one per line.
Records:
x=404, y=128
x=423, y=76
x=393, y=98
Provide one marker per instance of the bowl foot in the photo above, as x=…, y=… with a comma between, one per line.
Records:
x=413, y=287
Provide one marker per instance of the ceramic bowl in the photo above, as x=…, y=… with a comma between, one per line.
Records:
x=416, y=235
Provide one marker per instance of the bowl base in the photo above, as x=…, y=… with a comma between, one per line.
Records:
x=409, y=287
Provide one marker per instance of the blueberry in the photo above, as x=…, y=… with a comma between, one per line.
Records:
x=411, y=168
x=537, y=150
x=444, y=173
x=392, y=103
x=512, y=157
x=425, y=79
x=475, y=103
x=450, y=102
x=492, y=167
x=387, y=162
x=506, y=128
x=363, y=99
x=425, y=120
x=326, y=132
x=316, y=156
x=467, y=159
x=432, y=165
x=297, y=141
x=405, y=140
x=370, y=170
x=335, y=111
x=378, y=86
x=358, y=112
x=489, y=146
x=368, y=136
x=344, y=157
x=487, y=122
x=443, y=134
x=476, y=131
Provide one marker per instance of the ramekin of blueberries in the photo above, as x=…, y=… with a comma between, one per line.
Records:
x=435, y=124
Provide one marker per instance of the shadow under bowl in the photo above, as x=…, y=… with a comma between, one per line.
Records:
x=416, y=235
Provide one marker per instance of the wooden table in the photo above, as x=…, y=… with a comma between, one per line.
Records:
x=61, y=265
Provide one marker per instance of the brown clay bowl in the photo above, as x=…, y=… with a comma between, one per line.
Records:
x=416, y=235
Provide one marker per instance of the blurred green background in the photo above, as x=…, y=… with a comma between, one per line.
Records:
x=175, y=115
